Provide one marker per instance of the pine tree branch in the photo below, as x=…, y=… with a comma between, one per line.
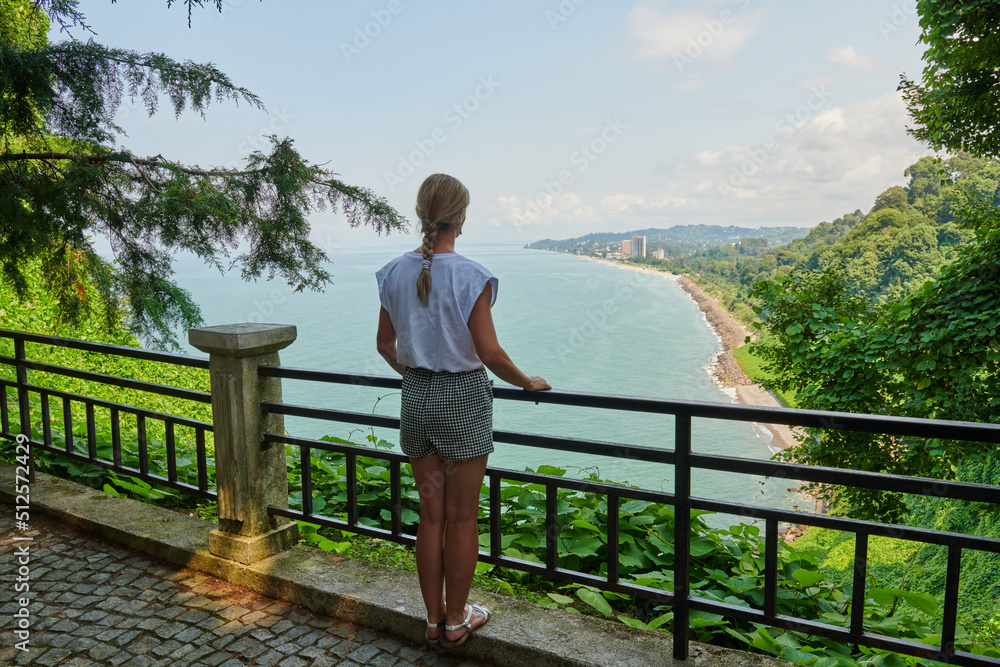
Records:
x=115, y=157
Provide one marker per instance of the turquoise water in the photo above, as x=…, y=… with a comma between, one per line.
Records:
x=582, y=325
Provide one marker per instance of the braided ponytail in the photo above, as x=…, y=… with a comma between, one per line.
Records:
x=441, y=201
x=427, y=250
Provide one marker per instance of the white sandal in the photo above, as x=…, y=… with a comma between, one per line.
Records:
x=467, y=623
x=439, y=624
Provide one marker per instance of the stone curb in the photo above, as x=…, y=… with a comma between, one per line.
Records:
x=381, y=598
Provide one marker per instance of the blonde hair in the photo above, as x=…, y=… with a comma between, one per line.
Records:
x=441, y=201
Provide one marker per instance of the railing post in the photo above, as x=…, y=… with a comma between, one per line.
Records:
x=23, y=408
x=682, y=533
x=249, y=475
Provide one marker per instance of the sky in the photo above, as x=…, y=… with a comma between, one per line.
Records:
x=563, y=117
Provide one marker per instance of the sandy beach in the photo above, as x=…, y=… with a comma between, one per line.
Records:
x=724, y=368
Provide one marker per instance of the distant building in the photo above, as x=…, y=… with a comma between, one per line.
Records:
x=626, y=248
x=638, y=246
x=658, y=253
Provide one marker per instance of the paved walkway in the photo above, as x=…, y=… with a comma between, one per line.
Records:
x=95, y=603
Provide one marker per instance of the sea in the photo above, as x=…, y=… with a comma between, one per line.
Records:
x=582, y=325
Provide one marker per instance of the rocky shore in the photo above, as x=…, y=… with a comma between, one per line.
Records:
x=726, y=370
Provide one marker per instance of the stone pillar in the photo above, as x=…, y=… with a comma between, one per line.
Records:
x=249, y=474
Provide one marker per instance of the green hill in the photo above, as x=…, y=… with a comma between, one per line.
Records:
x=679, y=239
x=904, y=238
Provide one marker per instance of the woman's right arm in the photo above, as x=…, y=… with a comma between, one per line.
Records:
x=484, y=337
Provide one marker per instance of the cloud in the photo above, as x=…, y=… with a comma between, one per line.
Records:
x=690, y=39
x=815, y=162
x=622, y=202
x=707, y=158
x=815, y=165
x=848, y=56
x=542, y=210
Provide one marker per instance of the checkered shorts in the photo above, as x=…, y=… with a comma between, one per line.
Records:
x=450, y=414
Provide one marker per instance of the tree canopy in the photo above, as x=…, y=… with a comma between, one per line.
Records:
x=934, y=353
x=956, y=104
x=64, y=181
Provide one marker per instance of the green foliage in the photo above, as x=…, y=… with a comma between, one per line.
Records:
x=893, y=563
x=23, y=23
x=956, y=104
x=63, y=181
x=39, y=313
x=932, y=354
x=329, y=474
x=893, y=198
x=729, y=271
x=949, y=329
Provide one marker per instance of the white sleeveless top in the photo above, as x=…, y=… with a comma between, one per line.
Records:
x=434, y=335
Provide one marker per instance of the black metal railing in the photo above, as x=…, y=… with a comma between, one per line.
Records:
x=683, y=460
x=39, y=423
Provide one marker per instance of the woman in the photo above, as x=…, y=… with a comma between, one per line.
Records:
x=435, y=328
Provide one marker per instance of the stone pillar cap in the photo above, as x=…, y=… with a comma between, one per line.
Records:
x=242, y=340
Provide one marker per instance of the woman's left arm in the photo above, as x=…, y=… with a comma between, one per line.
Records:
x=385, y=339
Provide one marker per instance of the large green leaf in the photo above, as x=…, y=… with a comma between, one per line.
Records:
x=703, y=619
x=584, y=547
x=633, y=622
x=665, y=547
x=701, y=546
x=807, y=577
x=560, y=599
x=920, y=601
x=586, y=525
x=595, y=600
x=633, y=506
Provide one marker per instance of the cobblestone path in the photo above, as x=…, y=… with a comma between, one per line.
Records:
x=96, y=603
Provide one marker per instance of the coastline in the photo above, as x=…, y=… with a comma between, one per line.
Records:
x=724, y=368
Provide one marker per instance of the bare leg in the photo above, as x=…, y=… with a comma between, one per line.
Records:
x=463, y=482
x=429, y=475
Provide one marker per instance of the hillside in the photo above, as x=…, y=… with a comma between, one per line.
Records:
x=903, y=240
x=679, y=239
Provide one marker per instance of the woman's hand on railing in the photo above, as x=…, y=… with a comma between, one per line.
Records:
x=537, y=384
